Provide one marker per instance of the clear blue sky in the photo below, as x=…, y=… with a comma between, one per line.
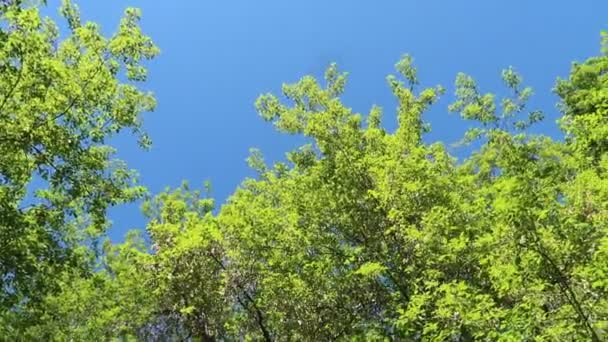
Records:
x=218, y=56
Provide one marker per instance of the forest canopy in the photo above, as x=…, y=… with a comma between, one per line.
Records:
x=361, y=234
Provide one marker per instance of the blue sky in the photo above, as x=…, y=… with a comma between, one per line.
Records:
x=218, y=56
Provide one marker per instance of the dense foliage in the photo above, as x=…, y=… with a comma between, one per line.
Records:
x=60, y=101
x=364, y=234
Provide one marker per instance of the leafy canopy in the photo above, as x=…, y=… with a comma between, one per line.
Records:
x=61, y=99
x=363, y=234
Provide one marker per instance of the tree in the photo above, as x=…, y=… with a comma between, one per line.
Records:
x=366, y=234
x=115, y=301
x=61, y=99
x=188, y=264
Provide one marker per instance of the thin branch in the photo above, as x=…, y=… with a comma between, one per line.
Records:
x=68, y=108
x=564, y=285
x=258, y=313
x=11, y=92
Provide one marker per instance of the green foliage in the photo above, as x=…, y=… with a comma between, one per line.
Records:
x=585, y=105
x=482, y=108
x=363, y=234
x=61, y=99
x=113, y=302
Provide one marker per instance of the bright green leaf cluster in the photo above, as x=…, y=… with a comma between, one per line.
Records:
x=61, y=99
